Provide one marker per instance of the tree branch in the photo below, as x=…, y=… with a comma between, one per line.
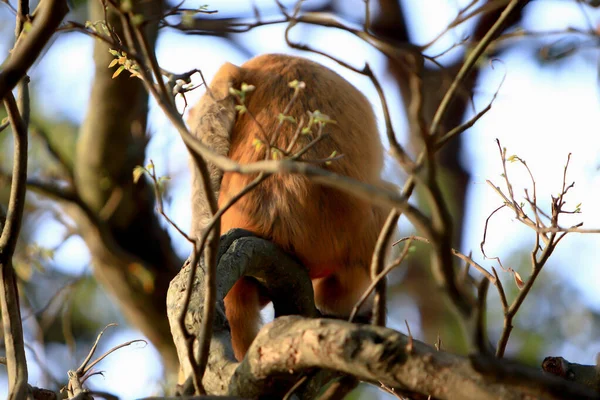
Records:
x=375, y=354
x=112, y=141
x=47, y=17
x=9, y=297
x=240, y=254
x=513, y=6
x=290, y=346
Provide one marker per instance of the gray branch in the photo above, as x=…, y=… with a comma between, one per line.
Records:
x=47, y=17
x=293, y=345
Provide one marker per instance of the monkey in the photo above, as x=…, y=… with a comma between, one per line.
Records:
x=331, y=232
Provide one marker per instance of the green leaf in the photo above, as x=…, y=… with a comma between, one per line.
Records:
x=113, y=63
x=318, y=117
x=118, y=71
x=333, y=154
x=138, y=171
x=257, y=144
x=281, y=117
x=247, y=88
x=187, y=18
x=241, y=109
x=126, y=6
x=137, y=19
x=275, y=153
x=296, y=84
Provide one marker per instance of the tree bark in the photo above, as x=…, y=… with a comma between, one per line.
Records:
x=131, y=253
x=292, y=346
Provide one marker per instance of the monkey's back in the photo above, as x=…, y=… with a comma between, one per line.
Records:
x=324, y=227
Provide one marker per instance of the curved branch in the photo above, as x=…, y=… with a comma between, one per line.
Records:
x=470, y=62
x=47, y=17
x=112, y=141
x=291, y=346
x=380, y=355
x=9, y=296
x=240, y=254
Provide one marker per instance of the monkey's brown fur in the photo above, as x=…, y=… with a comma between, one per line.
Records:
x=331, y=232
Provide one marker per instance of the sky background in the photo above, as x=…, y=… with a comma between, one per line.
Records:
x=542, y=113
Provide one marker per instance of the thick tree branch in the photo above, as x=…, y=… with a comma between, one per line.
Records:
x=375, y=354
x=240, y=254
x=588, y=375
x=47, y=17
x=291, y=346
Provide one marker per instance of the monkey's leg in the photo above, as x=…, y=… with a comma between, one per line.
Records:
x=337, y=294
x=242, y=308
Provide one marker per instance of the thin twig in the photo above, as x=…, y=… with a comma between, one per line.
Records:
x=455, y=252
x=501, y=291
x=9, y=295
x=468, y=65
x=78, y=377
x=481, y=340
x=377, y=266
x=90, y=354
x=165, y=100
x=110, y=351
x=375, y=281
x=538, y=260
x=23, y=86
x=396, y=149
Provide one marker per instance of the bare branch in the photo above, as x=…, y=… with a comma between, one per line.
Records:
x=9, y=295
x=458, y=254
x=470, y=62
x=293, y=344
x=377, y=267
x=377, y=279
x=47, y=17
x=539, y=256
x=78, y=377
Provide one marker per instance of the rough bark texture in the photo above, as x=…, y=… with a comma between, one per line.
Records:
x=240, y=254
x=292, y=345
x=112, y=141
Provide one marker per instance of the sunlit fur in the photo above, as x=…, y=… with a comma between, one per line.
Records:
x=331, y=232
